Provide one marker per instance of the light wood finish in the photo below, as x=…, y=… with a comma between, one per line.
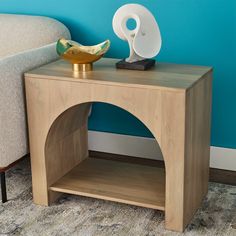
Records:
x=197, y=146
x=162, y=76
x=116, y=181
x=173, y=101
x=127, y=159
x=216, y=175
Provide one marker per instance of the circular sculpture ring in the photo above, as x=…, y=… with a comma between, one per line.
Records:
x=145, y=40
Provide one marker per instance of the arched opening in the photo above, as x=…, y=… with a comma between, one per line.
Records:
x=106, y=117
x=123, y=133
x=139, y=183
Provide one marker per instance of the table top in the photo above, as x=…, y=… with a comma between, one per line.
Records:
x=162, y=76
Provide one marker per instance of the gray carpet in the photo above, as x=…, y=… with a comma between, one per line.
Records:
x=74, y=215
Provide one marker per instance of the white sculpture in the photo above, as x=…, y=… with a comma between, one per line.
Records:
x=145, y=40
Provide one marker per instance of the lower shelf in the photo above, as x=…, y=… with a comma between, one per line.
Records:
x=116, y=181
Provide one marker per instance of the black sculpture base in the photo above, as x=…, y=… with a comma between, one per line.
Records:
x=139, y=65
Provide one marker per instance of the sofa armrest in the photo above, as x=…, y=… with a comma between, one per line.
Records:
x=13, y=128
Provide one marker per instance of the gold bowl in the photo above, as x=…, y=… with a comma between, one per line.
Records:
x=81, y=57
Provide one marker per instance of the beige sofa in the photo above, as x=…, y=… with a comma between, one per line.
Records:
x=26, y=42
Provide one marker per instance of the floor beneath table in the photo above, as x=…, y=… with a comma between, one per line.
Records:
x=75, y=215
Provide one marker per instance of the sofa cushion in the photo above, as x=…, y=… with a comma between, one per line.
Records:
x=21, y=32
x=13, y=125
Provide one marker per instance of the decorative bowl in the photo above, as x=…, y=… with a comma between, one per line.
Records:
x=81, y=57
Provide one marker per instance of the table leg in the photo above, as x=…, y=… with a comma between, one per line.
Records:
x=55, y=154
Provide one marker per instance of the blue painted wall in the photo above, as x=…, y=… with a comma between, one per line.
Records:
x=194, y=32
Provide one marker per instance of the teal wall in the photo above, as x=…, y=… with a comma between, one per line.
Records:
x=194, y=32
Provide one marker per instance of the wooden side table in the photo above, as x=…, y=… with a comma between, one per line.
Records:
x=173, y=101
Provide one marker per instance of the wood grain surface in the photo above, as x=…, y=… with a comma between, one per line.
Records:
x=172, y=101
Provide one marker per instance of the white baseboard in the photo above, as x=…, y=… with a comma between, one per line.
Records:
x=221, y=158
